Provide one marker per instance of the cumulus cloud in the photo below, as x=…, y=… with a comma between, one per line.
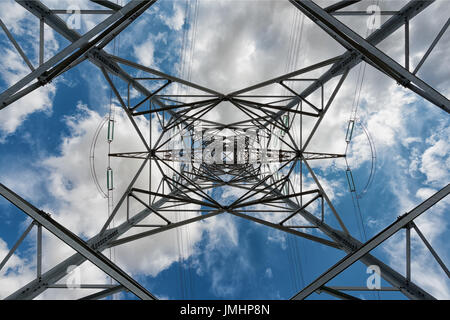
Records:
x=269, y=273
x=425, y=271
x=435, y=161
x=176, y=20
x=13, y=68
x=18, y=271
x=145, y=53
x=238, y=43
x=77, y=204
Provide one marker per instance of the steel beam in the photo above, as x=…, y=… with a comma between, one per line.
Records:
x=347, y=288
x=110, y=64
x=16, y=245
x=336, y=293
x=104, y=293
x=371, y=244
x=162, y=229
x=76, y=243
x=55, y=65
x=351, y=40
x=351, y=58
x=99, y=243
x=287, y=229
x=430, y=248
x=433, y=44
x=16, y=45
x=340, y=5
x=108, y=4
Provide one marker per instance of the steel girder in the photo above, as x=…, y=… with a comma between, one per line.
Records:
x=105, y=237
x=364, y=250
x=108, y=4
x=104, y=293
x=350, y=244
x=108, y=64
x=352, y=58
x=96, y=54
x=62, y=60
x=351, y=40
x=97, y=243
x=103, y=240
x=77, y=244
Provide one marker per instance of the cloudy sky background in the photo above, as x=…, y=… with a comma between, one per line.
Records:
x=45, y=139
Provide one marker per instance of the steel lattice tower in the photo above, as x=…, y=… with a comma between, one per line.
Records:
x=257, y=155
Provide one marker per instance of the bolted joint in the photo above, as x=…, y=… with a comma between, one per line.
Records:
x=45, y=214
x=409, y=225
x=403, y=82
x=43, y=79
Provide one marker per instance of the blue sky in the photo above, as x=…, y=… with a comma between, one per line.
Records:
x=44, y=148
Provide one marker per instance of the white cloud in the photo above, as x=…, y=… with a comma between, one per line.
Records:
x=238, y=44
x=222, y=242
x=435, y=161
x=176, y=21
x=12, y=68
x=12, y=15
x=424, y=193
x=145, y=52
x=17, y=272
x=269, y=273
x=76, y=203
x=425, y=272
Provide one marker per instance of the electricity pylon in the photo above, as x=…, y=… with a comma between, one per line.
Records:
x=259, y=156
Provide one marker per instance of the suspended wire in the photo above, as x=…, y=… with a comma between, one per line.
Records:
x=372, y=163
x=294, y=252
x=193, y=41
x=350, y=129
x=183, y=234
x=351, y=124
x=292, y=276
x=191, y=58
x=178, y=214
x=110, y=118
x=92, y=148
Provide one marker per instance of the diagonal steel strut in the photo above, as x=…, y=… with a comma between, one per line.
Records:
x=351, y=39
x=372, y=243
x=101, y=59
x=350, y=244
x=79, y=46
x=99, y=243
x=77, y=244
x=352, y=58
